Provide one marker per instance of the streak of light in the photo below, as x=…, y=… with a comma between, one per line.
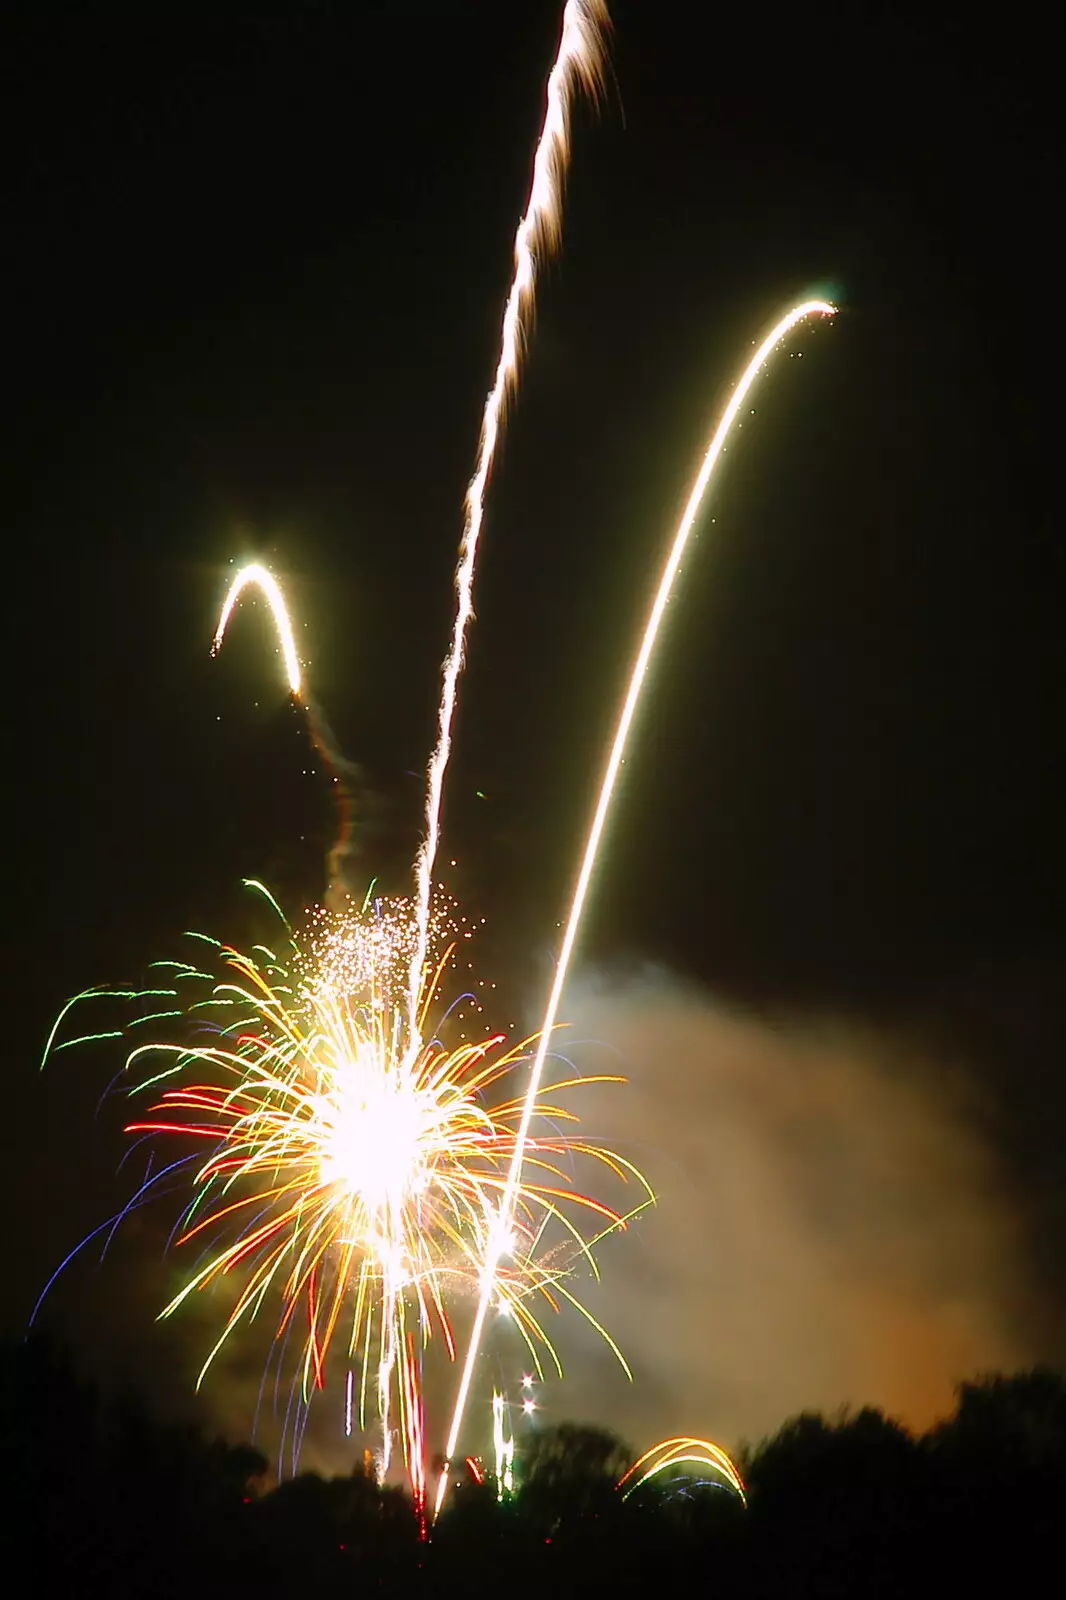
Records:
x=578, y=64
x=680, y=1452
x=271, y=589
x=637, y=676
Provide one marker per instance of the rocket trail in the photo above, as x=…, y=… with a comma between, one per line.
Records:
x=317, y=726
x=638, y=672
x=578, y=64
x=268, y=584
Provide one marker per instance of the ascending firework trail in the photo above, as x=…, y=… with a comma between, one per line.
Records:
x=317, y=726
x=579, y=64
x=755, y=367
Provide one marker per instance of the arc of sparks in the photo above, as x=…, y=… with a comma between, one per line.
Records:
x=271, y=589
x=637, y=676
x=679, y=1452
x=578, y=65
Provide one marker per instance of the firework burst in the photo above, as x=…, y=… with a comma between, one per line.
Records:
x=352, y=1177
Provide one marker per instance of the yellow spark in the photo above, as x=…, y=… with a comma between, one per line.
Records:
x=637, y=677
x=265, y=581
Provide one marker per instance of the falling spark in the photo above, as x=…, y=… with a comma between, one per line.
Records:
x=578, y=64
x=638, y=673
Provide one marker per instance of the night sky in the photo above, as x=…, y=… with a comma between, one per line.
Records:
x=255, y=271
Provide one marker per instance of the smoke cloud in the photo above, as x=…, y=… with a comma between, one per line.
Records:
x=832, y=1226
x=344, y=778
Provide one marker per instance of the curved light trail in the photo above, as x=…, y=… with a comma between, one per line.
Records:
x=681, y=1452
x=637, y=676
x=268, y=584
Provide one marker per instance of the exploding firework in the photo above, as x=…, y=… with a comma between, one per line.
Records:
x=755, y=366
x=357, y=1179
x=366, y=948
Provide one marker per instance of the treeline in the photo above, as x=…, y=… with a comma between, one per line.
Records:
x=100, y=1499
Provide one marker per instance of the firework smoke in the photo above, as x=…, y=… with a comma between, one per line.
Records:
x=833, y=1225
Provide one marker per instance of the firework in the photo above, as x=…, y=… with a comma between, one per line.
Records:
x=367, y=947
x=578, y=64
x=753, y=369
x=503, y=1447
x=321, y=737
x=671, y=1454
x=271, y=590
x=354, y=1179
x=359, y=1170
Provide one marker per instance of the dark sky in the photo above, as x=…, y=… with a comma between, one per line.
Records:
x=255, y=270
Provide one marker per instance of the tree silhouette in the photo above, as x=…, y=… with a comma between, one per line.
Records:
x=837, y=1508
x=101, y=1497
x=1010, y=1424
x=571, y=1470
x=1000, y=1470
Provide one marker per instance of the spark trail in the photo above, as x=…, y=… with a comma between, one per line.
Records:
x=671, y=1454
x=271, y=590
x=637, y=676
x=578, y=65
x=318, y=728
